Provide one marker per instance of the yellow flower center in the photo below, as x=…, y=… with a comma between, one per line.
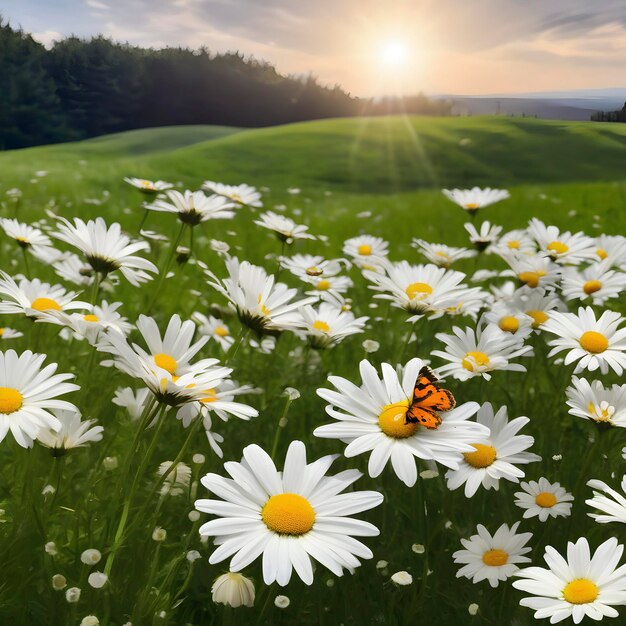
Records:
x=483, y=455
x=415, y=290
x=495, y=558
x=221, y=331
x=45, y=304
x=539, y=317
x=593, y=342
x=591, y=286
x=513, y=244
x=472, y=205
x=473, y=359
x=211, y=395
x=313, y=271
x=531, y=278
x=22, y=240
x=364, y=249
x=545, y=500
x=580, y=591
x=558, y=247
x=91, y=318
x=320, y=325
x=166, y=362
x=323, y=285
x=391, y=421
x=288, y=514
x=509, y=324
x=600, y=413
x=602, y=253
x=1, y=332
x=10, y=400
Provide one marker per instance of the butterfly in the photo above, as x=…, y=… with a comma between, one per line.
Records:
x=428, y=401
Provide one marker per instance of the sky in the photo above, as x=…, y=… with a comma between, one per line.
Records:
x=372, y=47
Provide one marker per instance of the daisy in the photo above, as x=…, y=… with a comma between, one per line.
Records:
x=478, y=352
x=485, y=237
x=613, y=507
x=193, y=207
x=534, y=271
x=330, y=285
x=148, y=187
x=177, y=478
x=596, y=281
x=543, y=499
x=371, y=418
x=25, y=235
x=538, y=304
x=593, y=401
x=611, y=248
x=495, y=455
x=261, y=304
x=28, y=395
x=241, y=194
x=288, y=517
x=9, y=333
x=233, y=589
x=509, y=320
x=107, y=249
x=515, y=241
x=581, y=586
x=307, y=266
x=476, y=198
x=440, y=254
x=565, y=248
x=214, y=328
x=134, y=402
x=594, y=344
x=422, y=289
x=366, y=251
x=73, y=433
x=285, y=228
x=72, y=268
x=34, y=298
x=493, y=558
x=328, y=325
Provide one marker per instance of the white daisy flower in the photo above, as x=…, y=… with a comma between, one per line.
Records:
x=107, y=249
x=177, y=478
x=534, y=271
x=581, y=586
x=613, y=249
x=334, y=286
x=148, y=187
x=593, y=343
x=485, y=237
x=421, y=289
x=366, y=251
x=260, y=302
x=478, y=352
x=285, y=228
x=372, y=418
x=495, y=455
x=440, y=254
x=233, y=589
x=241, y=194
x=25, y=235
x=493, y=558
x=307, y=266
x=214, y=328
x=28, y=395
x=9, y=333
x=134, y=402
x=543, y=499
x=73, y=433
x=514, y=242
x=537, y=304
x=288, y=517
x=509, y=320
x=193, y=207
x=72, y=268
x=566, y=248
x=327, y=325
x=476, y=198
x=593, y=401
x=596, y=281
x=610, y=502
x=34, y=298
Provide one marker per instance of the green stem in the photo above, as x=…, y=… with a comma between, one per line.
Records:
x=26, y=266
x=95, y=288
x=279, y=428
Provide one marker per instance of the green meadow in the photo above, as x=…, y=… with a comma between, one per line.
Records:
x=381, y=176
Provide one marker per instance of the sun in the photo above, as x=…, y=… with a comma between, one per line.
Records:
x=394, y=53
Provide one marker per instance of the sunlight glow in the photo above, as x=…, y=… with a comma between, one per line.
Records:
x=394, y=53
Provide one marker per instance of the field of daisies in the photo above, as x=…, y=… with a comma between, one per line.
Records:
x=295, y=427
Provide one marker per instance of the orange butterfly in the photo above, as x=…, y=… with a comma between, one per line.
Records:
x=428, y=401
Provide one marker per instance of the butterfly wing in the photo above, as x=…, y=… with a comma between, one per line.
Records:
x=424, y=417
x=428, y=400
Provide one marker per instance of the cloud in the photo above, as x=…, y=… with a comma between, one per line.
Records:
x=96, y=4
x=47, y=37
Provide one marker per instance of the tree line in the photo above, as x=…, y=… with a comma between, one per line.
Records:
x=83, y=88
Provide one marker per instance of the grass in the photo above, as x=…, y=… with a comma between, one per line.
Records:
x=380, y=176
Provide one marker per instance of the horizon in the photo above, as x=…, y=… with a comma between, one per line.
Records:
x=370, y=49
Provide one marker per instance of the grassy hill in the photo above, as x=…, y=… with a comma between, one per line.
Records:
x=394, y=166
